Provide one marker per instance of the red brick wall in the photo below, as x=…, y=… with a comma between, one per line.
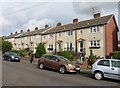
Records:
x=111, y=37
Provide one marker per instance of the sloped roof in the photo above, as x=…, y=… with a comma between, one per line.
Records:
x=11, y=36
x=30, y=33
x=81, y=24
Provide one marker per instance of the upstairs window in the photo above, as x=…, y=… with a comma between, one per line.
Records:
x=94, y=29
x=70, y=32
x=37, y=36
x=59, y=34
x=81, y=31
x=94, y=43
x=50, y=35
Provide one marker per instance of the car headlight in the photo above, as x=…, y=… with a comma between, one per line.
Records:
x=70, y=65
x=12, y=57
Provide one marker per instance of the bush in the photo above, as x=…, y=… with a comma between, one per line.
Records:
x=40, y=50
x=6, y=46
x=15, y=51
x=68, y=54
x=115, y=54
x=92, y=58
x=22, y=53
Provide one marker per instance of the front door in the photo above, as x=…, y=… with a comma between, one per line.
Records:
x=81, y=47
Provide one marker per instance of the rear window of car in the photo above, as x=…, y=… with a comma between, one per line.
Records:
x=104, y=63
x=115, y=64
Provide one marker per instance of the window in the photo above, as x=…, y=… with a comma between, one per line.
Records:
x=50, y=47
x=70, y=32
x=48, y=57
x=44, y=36
x=50, y=35
x=115, y=64
x=94, y=29
x=68, y=46
x=94, y=43
x=81, y=31
x=60, y=34
x=37, y=36
x=54, y=58
x=104, y=63
x=27, y=45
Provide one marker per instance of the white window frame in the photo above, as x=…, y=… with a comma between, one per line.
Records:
x=81, y=31
x=59, y=34
x=94, y=29
x=37, y=36
x=51, y=35
x=94, y=43
x=69, y=33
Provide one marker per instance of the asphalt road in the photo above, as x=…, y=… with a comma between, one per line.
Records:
x=25, y=74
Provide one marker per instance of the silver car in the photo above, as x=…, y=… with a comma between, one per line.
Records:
x=108, y=68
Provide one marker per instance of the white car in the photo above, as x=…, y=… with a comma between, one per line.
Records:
x=108, y=68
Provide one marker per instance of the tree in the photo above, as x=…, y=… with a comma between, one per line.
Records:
x=6, y=46
x=40, y=50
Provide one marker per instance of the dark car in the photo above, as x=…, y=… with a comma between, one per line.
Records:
x=10, y=56
x=58, y=63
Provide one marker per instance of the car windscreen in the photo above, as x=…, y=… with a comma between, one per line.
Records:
x=13, y=54
x=115, y=64
x=63, y=59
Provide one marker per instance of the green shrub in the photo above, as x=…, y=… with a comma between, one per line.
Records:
x=115, y=54
x=68, y=54
x=22, y=53
x=40, y=50
x=6, y=46
x=15, y=51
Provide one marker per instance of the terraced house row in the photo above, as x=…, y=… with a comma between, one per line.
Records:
x=97, y=35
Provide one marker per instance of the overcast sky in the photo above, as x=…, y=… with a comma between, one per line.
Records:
x=20, y=15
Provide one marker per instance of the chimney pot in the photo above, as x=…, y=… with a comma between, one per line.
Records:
x=36, y=28
x=46, y=26
x=28, y=30
x=16, y=32
x=75, y=20
x=21, y=31
x=96, y=15
x=58, y=24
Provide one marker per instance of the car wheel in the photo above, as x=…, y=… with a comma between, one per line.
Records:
x=98, y=75
x=9, y=59
x=41, y=66
x=62, y=70
x=3, y=58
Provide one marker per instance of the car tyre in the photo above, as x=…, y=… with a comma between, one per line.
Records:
x=3, y=58
x=9, y=59
x=62, y=70
x=98, y=75
x=41, y=65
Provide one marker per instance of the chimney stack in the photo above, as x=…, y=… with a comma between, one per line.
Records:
x=46, y=26
x=36, y=28
x=28, y=30
x=58, y=24
x=96, y=15
x=16, y=32
x=21, y=31
x=75, y=20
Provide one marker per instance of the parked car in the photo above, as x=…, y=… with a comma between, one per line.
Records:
x=58, y=63
x=10, y=56
x=108, y=68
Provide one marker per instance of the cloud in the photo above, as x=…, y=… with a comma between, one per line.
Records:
x=37, y=23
